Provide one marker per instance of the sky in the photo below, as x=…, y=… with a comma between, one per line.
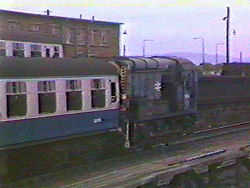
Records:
x=171, y=24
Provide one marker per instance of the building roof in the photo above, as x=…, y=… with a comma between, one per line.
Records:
x=15, y=67
x=58, y=17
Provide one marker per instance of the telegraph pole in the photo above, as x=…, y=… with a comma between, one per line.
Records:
x=228, y=35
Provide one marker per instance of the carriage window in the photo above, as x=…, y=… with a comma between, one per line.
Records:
x=98, y=93
x=47, y=96
x=97, y=84
x=18, y=49
x=113, y=92
x=73, y=95
x=16, y=99
x=2, y=49
x=35, y=50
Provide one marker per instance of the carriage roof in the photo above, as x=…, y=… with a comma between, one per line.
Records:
x=14, y=67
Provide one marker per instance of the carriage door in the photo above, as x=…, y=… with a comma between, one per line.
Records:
x=98, y=93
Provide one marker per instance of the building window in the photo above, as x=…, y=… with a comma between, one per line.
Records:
x=16, y=99
x=81, y=36
x=18, y=49
x=13, y=26
x=55, y=30
x=47, y=96
x=56, y=52
x=36, y=27
x=105, y=37
x=35, y=50
x=73, y=95
x=98, y=98
x=2, y=49
x=97, y=38
x=91, y=37
x=70, y=36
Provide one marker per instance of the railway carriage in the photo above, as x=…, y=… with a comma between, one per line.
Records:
x=43, y=99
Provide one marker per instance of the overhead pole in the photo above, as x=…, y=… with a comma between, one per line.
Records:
x=241, y=57
x=203, y=48
x=144, y=46
x=216, y=52
x=124, y=45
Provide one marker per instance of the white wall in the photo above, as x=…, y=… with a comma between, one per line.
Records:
x=27, y=50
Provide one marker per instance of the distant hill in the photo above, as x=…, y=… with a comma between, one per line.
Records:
x=197, y=57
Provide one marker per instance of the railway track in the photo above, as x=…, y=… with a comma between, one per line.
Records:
x=187, y=139
x=214, y=132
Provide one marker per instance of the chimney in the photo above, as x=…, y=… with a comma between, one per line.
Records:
x=80, y=16
x=93, y=18
x=47, y=12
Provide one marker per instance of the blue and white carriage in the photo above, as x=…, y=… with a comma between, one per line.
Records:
x=44, y=98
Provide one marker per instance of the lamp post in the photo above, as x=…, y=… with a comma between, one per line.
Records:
x=203, y=48
x=144, y=45
x=124, y=46
x=216, y=51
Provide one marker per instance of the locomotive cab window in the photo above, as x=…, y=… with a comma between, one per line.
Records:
x=73, y=95
x=98, y=98
x=16, y=99
x=113, y=92
x=47, y=96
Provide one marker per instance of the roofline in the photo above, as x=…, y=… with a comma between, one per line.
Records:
x=60, y=17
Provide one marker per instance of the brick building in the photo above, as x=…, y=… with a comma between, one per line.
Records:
x=33, y=35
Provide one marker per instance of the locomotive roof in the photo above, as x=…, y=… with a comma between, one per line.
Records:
x=142, y=63
x=155, y=62
x=14, y=67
